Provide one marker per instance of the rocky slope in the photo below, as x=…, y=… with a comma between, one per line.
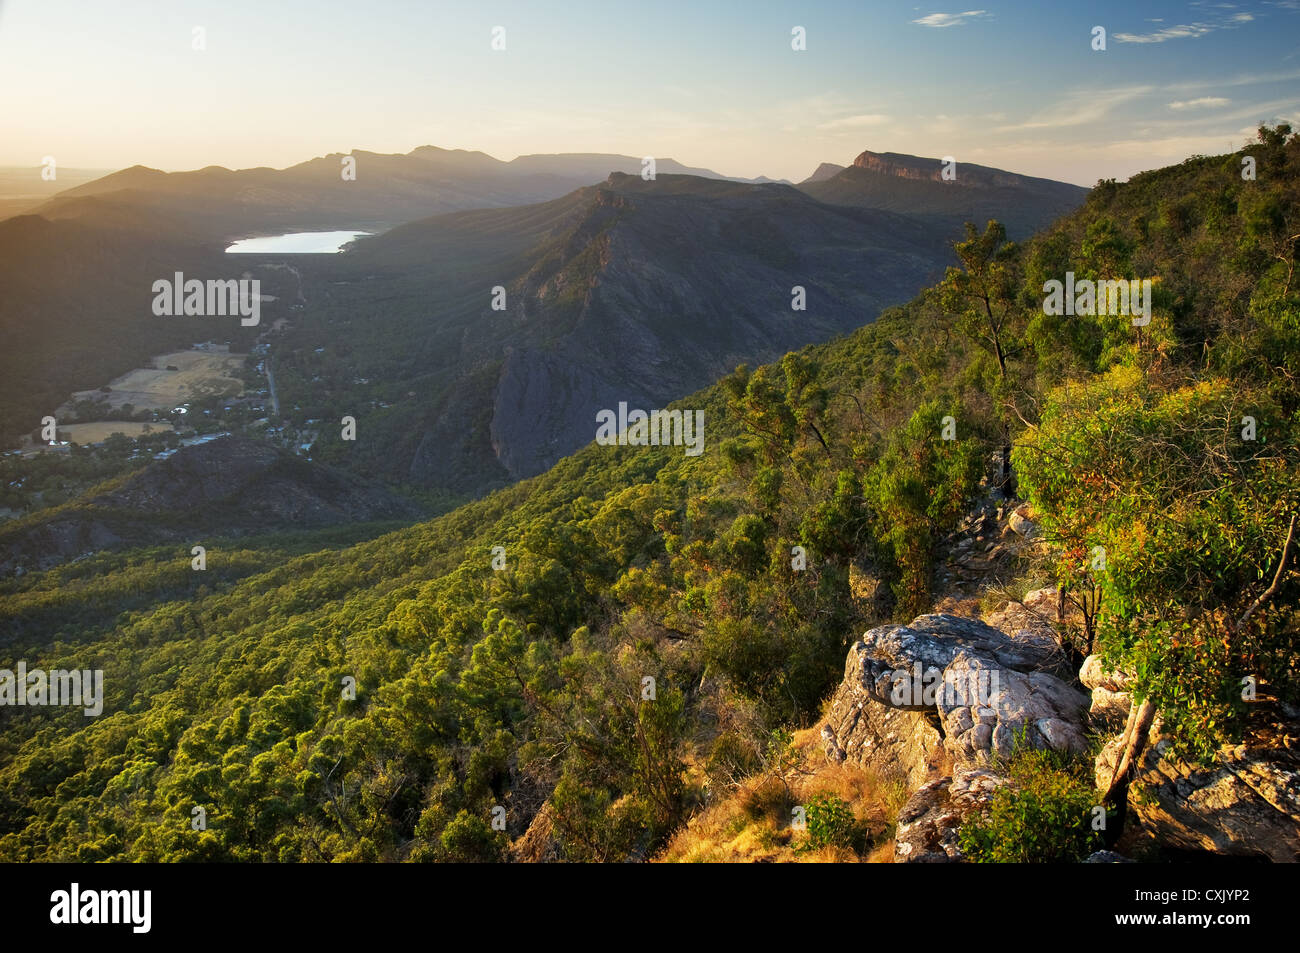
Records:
x=1246, y=804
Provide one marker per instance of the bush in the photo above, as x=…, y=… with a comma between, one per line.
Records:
x=831, y=823
x=1043, y=816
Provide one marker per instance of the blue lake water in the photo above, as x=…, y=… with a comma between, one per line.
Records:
x=294, y=243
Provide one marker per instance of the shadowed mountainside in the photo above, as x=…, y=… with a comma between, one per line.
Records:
x=915, y=185
x=230, y=486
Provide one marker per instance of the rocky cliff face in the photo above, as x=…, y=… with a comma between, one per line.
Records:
x=659, y=288
x=975, y=193
x=914, y=167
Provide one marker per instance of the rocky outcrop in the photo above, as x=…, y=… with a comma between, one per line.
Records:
x=1246, y=803
x=889, y=741
x=930, y=822
x=953, y=683
x=940, y=700
x=951, y=192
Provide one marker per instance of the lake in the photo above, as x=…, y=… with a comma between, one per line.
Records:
x=294, y=243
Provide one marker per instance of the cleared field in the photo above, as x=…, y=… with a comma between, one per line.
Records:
x=199, y=373
x=102, y=429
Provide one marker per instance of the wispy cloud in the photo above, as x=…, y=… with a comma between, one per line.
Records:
x=950, y=19
x=1079, y=108
x=1181, y=32
x=1244, y=79
x=1205, y=102
x=1185, y=31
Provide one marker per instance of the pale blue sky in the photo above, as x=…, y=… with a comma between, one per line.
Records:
x=1014, y=85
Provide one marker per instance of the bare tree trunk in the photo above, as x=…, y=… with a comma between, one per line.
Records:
x=1135, y=741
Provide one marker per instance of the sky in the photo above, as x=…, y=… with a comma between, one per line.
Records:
x=1015, y=85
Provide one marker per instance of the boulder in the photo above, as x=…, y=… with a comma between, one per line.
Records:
x=1094, y=675
x=1031, y=620
x=1021, y=524
x=933, y=641
x=1246, y=803
x=930, y=822
x=980, y=686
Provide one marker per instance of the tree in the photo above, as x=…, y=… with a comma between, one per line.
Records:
x=982, y=292
x=1192, y=521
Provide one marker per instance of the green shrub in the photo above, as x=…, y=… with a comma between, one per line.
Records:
x=831, y=823
x=1043, y=816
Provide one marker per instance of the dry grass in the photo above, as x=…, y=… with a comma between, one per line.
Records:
x=103, y=429
x=199, y=373
x=752, y=824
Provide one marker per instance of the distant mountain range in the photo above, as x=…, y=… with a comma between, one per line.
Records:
x=625, y=290
x=915, y=186
x=387, y=189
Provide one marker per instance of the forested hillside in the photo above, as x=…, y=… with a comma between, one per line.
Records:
x=517, y=677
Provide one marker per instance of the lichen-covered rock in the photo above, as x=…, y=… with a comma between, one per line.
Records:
x=982, y=687
x=930, y=822
x=1038, y=707
x=889, y=741
x=933, y=641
